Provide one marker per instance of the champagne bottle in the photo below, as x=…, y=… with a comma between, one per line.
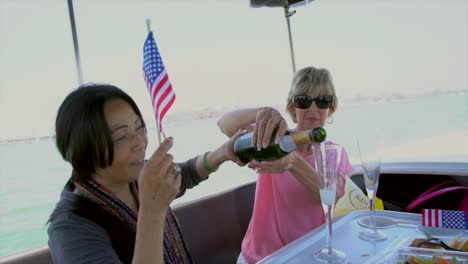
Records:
x=246, y=151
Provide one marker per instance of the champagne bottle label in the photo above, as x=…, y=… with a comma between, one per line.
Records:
x=244, y=141
x=287, y=144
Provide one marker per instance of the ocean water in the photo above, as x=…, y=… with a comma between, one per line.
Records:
x=32, y=174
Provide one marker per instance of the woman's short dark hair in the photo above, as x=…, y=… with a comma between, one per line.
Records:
x=83, y=136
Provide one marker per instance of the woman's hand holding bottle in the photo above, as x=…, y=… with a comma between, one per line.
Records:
x=228, y=148
x=274, y=166
x=267, y=120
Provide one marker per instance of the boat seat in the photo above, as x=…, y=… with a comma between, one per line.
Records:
x=40, y=255
x=214, y=226
x=398, y=189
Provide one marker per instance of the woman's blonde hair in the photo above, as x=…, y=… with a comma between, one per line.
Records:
x=312, y=82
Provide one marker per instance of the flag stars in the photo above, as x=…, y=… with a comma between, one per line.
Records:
x=152, y=61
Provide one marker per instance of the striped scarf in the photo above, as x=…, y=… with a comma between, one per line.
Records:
x=175, y=250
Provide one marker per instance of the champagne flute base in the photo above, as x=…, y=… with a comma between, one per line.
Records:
x=371, y=235
x=380, y=222
x=335, y=256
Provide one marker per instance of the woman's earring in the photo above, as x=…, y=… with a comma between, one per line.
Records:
x=330, y=120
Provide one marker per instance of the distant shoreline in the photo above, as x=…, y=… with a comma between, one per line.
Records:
x=208, y=113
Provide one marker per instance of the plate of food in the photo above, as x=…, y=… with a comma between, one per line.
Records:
x=453, y=244
x=410, y=255
x=429, y=256
x=440, y=231
x=426, y=250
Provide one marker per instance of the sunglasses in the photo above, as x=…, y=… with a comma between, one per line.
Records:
x=305, y=101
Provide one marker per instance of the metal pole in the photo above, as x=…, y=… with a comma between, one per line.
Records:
x=288, y=14
x=75, y=42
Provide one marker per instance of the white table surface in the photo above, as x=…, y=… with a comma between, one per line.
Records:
x=346, y=238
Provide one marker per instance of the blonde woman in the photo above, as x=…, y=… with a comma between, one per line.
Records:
x=287, y=199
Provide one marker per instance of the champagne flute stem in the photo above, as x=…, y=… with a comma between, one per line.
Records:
x=372, y=211
x=329, y=224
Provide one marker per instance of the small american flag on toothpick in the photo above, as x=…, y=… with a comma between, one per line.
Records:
x=157, y=80
x=445, y=218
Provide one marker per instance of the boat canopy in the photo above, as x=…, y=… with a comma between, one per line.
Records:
x=287, y=14
x=278, y=3
x=286, y=4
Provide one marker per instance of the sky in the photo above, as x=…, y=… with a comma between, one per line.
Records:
x=222, y=53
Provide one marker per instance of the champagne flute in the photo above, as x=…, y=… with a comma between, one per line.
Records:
x=370, y=162
x=327, y=160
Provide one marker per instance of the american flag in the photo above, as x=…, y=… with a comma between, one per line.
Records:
x=157, y=80
x=445, y=218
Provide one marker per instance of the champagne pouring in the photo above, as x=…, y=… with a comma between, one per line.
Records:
x=327, y=159
x=246, y=151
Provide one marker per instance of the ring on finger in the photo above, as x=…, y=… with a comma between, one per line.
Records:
x=177, y=169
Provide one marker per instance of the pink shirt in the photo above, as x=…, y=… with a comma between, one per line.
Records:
x=284, y=210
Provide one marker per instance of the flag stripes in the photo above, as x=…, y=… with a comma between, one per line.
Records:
x=445, y=218
x=157, y=80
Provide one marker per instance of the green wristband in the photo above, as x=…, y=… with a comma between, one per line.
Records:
x=205, y=164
